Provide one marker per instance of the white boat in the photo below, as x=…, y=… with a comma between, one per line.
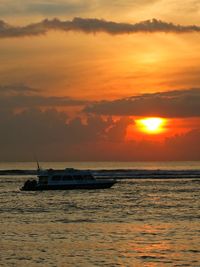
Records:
x=66, y=179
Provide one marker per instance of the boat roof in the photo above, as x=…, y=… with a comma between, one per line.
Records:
x=67, y=171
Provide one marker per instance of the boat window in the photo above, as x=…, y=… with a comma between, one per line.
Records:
x=56, y=178
x=43, y=179
x=79, y=177
x=67, y=177
x=89, y=176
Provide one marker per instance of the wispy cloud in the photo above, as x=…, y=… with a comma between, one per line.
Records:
x=21, y=96
x=46, y=7
x=179, y=103
x=13, y=89
x=91, y=25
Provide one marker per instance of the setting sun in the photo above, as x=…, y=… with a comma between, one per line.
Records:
x=151, y=125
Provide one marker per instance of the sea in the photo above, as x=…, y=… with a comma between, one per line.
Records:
x=150, y=217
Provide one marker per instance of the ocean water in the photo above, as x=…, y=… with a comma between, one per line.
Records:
x=138, y=222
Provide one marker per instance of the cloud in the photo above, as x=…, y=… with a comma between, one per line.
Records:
x=12, y=89
x=21, y=96
x=40, y=101
x=53, y=137
x=93, y=26
x=170, y=104
x=184, y=146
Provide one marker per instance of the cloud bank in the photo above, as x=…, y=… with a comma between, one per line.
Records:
x=93, y=25
x=170, y=104
x=55, y=136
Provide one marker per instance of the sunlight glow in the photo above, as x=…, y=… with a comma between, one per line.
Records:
x=151, y=125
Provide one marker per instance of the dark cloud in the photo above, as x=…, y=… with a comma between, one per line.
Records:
x=53, y=137
x=93, y=26
x=185, y=146
x=180, y=103
x=39, y=101
x=22, y=96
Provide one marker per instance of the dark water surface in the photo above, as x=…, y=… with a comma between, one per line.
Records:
x=136, y=223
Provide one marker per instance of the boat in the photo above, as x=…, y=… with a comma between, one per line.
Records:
x=66, y=179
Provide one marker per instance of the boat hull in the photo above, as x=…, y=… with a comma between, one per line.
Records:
x=100, y=185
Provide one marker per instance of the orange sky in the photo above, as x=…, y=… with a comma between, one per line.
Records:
x=68, y=71
x=102, y=66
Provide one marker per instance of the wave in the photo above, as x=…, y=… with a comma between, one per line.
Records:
x=123, y=173
x=147, y=174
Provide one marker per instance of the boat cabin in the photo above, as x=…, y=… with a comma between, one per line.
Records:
x=68, y=175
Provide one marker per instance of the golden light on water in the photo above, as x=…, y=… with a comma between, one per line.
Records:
x=151, y=125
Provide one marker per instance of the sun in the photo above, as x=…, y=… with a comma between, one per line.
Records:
x=151, y=125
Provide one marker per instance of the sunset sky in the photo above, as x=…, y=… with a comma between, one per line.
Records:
x=79, y=80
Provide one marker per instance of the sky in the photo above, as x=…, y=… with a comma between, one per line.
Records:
x=80, y=79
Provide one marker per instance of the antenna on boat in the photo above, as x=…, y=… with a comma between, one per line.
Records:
x=38, y=165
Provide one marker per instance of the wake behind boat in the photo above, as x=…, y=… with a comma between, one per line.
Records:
x=66, y=179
